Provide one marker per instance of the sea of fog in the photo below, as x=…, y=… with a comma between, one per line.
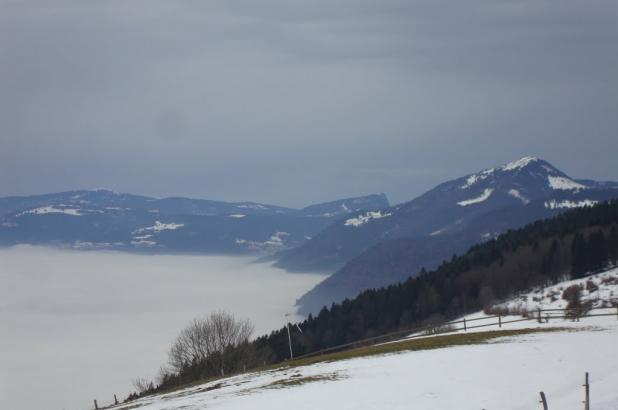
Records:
x=77, y=326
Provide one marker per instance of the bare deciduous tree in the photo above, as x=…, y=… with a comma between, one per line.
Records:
x=210, y=339
x=142, y=385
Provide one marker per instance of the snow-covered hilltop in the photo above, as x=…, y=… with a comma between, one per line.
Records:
x=493, y=370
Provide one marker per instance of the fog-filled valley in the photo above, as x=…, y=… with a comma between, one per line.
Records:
x=241, y=205
x=89, y=322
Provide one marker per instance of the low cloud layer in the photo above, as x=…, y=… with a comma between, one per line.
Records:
x=101, y=319
x=300, y=102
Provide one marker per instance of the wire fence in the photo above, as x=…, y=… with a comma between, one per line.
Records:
x=463, y=325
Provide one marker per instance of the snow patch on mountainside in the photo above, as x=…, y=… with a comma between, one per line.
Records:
x=52, y=210
x=483, y=197
x=237, y=216
x=489, y=235
x=474, y=178
x=253, y=206
x=365, y=218
x=553, y=204
x=276, y=239
x=516, y=194
x=143, y=243
x=92, y=245
x=272, y=244
x=519, y=164
x=562, y=183
x=160, y=226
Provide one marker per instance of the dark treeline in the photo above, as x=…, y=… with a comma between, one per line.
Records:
x=573, y=244
x=544, y=252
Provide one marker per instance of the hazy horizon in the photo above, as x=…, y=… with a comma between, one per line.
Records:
x=297, y=104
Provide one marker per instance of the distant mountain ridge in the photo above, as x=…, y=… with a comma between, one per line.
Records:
x=106, y=219
x=376, y=248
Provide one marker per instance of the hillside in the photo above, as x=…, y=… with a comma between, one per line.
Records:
x=493, y=367
x=569, y=246
x=376, y=249
x=548, y=251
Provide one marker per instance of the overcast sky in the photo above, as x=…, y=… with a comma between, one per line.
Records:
x=296, y=101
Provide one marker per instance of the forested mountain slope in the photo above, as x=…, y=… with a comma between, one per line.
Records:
x=544, y=252
x=380, y=248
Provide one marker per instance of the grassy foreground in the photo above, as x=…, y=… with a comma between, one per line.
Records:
x=424, y=343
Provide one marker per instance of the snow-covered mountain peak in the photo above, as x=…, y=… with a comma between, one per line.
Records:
x=518, y=183
x=516, y=165
x=519, y=174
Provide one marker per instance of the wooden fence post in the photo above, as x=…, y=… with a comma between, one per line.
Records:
x=587, y=400
x=96, y=406
x=499, y=320
x=465, y=329
x=115, y=400
x=543, y=400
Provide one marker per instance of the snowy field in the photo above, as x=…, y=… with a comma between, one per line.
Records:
x=597, y=289
x=77, y=325
x=507, y=373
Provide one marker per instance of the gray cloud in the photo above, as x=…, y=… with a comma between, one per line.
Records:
x=299, y=102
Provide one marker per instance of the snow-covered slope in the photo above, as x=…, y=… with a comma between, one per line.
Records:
x=599, y=290
x=504, y=373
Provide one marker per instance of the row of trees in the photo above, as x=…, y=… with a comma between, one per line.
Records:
x=590, y=252
x=541, y=253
